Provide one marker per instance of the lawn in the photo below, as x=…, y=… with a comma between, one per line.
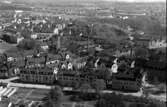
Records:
x=29, y=94
x=5, y=46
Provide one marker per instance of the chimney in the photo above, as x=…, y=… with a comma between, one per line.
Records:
x=6, y=57
x=6, y=62
x=25, y=61
x=58, y=43
x=46, y=57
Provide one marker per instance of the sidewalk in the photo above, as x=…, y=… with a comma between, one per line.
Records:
x=23, y=85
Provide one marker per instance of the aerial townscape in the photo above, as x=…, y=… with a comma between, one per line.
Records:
x=82, y=53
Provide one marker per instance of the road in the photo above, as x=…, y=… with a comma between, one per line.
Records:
x=12, y=84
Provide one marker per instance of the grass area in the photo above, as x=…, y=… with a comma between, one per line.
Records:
x=5, y=46
x=16, y=52
x=30, y=94
x=37, y=94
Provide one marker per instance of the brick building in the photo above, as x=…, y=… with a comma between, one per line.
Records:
x=44, y=75
x=128, y=81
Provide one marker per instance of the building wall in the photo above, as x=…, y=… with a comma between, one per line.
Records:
x=3, y=74
x=69, y=80
x=125, y=85
x=48, y=79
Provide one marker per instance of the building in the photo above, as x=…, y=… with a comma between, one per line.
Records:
x=67, y=78
x=74, y=78
x=3, y=71
x=126, y=81
x=155, y=44
x=41, y=70
x=34, y=36
x=142, y=42
x=45, y=47
x=156, y=71
x=44, y=75
x=19, y=39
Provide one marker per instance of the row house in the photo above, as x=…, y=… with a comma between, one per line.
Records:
x=142, y=42
x=71, y=78
x=44, y=75
x=127, y=81
x=3, y=72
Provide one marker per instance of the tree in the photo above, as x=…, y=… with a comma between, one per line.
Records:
x=99, y=85
x=85, y=95
x=101, y=103
x=114, y=99
x=152, y=105
x=54, y=97
x=110, y=100
x=9, y=38
x=75, y=84
x=3, y=58
x=26, y=33
x=27, y=44
x=85, y=87
x=22, y=105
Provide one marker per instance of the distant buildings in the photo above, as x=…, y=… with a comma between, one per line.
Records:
x=155, y=44
x=71, y=74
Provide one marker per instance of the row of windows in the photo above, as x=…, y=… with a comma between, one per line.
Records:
x=73, y=78
x=36, y=77
x=36, y=72
x=124, y=83
x=126, y=87
x=40, y=80
x=61, y=77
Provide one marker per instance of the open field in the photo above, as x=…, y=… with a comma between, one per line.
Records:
x=5, y=46
x=29, y=94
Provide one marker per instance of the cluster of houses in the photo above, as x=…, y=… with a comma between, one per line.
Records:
x=155, y=44
x=26, y=26
x=69, y=73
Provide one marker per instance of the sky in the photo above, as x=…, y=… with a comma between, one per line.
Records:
x=138, y=0
x=92, y=0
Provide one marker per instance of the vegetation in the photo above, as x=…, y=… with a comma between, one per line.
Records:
x=27, y=44
x=117, y=100
x=53, y=98
x=110, y=100
x=9, y=38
